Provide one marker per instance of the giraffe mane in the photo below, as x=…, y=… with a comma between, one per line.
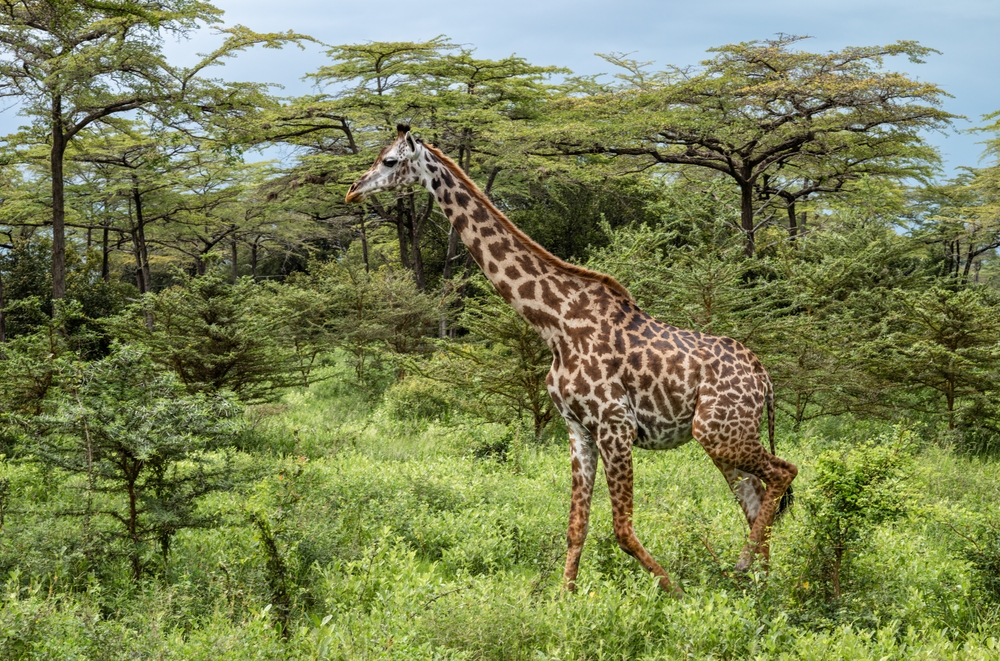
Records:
x=528, y=242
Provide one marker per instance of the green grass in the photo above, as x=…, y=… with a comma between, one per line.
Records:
x=400, y=544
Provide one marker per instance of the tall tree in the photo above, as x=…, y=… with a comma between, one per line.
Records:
x=128, y=174
x=761, y=112
x=963, y=216
x=72, y=63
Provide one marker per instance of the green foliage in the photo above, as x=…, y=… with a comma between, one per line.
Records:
x=400, y=543
x=26, y=274
x=853, y=491
x=32, y=365
x=27, y=282
x=216, y=336
x=29, y=369
x=421, y=398
x=375, y=316
x=938, y=342
x=702, y=285
x=137, y=449
x=977, y=425
x=782, y=123
x=983, y=552
x=305, y=314
x=378, y=499
x=500, y=368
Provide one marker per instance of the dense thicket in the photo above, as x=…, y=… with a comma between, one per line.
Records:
x=208, y=364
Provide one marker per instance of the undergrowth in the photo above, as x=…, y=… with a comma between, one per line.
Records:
x=363, y=533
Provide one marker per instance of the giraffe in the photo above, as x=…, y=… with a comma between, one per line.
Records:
x=620, y=378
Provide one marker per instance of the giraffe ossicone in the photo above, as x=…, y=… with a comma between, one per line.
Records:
x=620, y=378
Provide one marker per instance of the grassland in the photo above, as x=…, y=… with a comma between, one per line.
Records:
x=414, y=539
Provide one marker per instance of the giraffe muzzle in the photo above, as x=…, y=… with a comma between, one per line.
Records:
x=354, y=195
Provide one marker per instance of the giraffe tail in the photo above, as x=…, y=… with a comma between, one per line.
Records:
x=788, y=497
x=770, y=412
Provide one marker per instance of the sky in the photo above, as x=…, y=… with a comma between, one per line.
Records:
x=565, y=33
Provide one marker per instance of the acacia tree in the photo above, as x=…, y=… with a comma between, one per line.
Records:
x=212, y=205
x=963, y=216
x=779, y=122
x=170, y=196
x=339, y=134
x=72, y=63
x=127, y=174
x=501, y=366
x=937, y=342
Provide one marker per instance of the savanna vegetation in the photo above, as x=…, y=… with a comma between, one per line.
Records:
x=242, y=419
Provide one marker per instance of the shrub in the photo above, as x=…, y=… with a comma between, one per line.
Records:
x=977, y=429
x=420, y=398
x=852, y=492
x=983, y=553
x=500, y=367
x=138, y=446
x=374, y=315
x=215, y=336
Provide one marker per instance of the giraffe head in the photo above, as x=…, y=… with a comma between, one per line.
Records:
x=398, y=165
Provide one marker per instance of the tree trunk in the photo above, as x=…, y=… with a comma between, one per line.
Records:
x=3, y=321
x=416, y=226
x=449, y=258
x=402, y=234
x=253, y=260
x=968, y=262
x=234, y=255
x=746, y=217
x=950, y=399
x=142, y=255
x=133, y=531
x=838, y=557
x=277, y=572
x=140, y=281
x=105, y=273
x=58, y=202
x=793, y=226
x=364, y=244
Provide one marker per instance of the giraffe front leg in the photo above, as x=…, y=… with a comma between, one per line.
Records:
x=583, y=453
x=616, y=452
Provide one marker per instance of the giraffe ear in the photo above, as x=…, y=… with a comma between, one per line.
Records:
x=412, y=144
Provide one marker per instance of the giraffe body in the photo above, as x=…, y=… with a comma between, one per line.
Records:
x=620, y=378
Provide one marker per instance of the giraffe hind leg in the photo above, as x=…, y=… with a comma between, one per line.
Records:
x=741, y=450
x=747, y=488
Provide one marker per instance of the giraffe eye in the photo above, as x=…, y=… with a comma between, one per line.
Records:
x=390, y=162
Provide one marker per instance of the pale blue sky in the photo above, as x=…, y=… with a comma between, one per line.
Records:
x=565, y=33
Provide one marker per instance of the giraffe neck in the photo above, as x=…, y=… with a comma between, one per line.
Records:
x=534, y=282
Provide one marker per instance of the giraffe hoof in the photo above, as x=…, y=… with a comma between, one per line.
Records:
x=670, y=588
x=743, y=566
